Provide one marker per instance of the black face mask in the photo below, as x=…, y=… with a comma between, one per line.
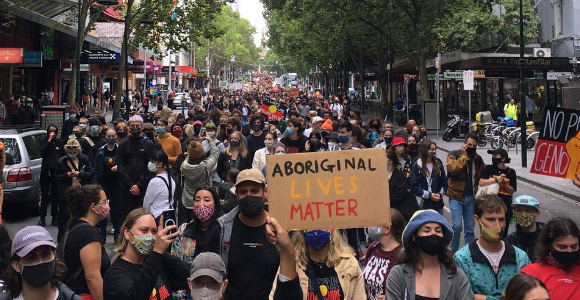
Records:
x=314, y=145
x=122, y=134
x=229, y=130
x=431, y=244
x=38, y=275
x=79, y=135
x=150, y=135
x=495, y=161
x=566, y=258
x=256, y=127
x=223, y=126
x=470, y=151
x=135, y=131
x=412, y=147
x=323, y=134
x=251, y=206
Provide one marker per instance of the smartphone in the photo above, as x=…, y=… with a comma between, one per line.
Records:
x=169, y=219
x=203, y=132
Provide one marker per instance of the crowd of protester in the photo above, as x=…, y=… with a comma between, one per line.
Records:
x=209, y=167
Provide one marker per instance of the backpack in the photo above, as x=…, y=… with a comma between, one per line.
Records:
x=70, y=277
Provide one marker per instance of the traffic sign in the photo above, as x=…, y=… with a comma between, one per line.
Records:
x=468, y=80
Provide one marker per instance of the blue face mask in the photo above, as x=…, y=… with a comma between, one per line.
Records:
x=72, y=116
x=94, y=129
x=289, y=131
x=72, y=155
x=160, y=129
x=342, y=139
x=317, y=238
x=83, y=126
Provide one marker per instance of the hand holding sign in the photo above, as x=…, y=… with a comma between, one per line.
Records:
x=338, y=189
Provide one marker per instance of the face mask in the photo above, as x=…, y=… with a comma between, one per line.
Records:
x=470, y=151
x=149, y=135
x=205, y=293
x=525, y=219
x=323, y=134
x=177, y=133
x=342, y=139
x=203, y=213
x=566, y=258
x=105, y=210
x=289, y=131
x=78, y=135
x=431, y=244
x=317, y=238
x=72, y=155
x=211, y=134
x=234, y=143
x=314, y=145
x=229, y=130
x=491, y=234
x=388, y=140
x=331, y=145
x=495, y=161
x=251, y=206
x=375, y=233
x=191, y=115
x=122, y=134
x=94, y=129
x=268, y=143
x=279, y=153
x=83, y=126
x=417, y=133
x=223, y=126
x=111, y=140
x=73, y=116
x=135, y=131
x=143, y=244
x=151, y=167
x=413, y=147
x=256, y=127
x=155, y=119
x=160, y=129
x=433, y=154
x=38, y=275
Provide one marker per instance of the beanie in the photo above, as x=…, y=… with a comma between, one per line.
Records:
x=195, y=150
x=327, y=125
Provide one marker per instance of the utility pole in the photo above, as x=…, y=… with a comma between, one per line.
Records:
x=523, y=118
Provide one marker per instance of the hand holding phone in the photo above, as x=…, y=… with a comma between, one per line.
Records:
x=169, y=219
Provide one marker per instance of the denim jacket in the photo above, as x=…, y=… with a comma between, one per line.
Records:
x=420, y=187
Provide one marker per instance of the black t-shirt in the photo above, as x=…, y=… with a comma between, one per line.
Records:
x=294, y=146
x=109, y=178
x=493, y=172
x=77, y=240
x=255, y=143
x=327, y=282
x=252, y=263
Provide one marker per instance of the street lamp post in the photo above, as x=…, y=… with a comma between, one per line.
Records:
x=523, y=118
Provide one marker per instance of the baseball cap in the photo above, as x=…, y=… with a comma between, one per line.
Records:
x=317, y=119
x=253, y=175
x=118, y=120
x=526, y=200
x=197, y=123
x=502, y=152
x=398, y=141
x=208, y=264
x=30, y=237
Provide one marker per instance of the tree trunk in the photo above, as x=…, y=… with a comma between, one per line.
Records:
x=72, y=90
x=84, y=10
x=121, y=72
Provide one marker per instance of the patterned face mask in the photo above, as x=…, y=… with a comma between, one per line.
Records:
x=143, y=244
x=203, y=213
x=525, y=219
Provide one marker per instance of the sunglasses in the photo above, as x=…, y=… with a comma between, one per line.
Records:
x=71, y=147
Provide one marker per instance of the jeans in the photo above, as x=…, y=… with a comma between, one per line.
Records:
x=462, y=209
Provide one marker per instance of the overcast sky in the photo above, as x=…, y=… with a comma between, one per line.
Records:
x=252, y=11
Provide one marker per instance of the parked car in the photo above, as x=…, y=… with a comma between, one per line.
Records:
x=22, y=168
x=181, y=99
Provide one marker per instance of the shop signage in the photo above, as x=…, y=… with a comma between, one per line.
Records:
x=533, y=63
x=84, y=68
x=557, y=153
x=453, y=75
x=92, y=58
x=332, y=189
x=66, y=65
x=33, y=58
x=493, y=74
x=555, y=75
x=11, y=55
x=433, y=77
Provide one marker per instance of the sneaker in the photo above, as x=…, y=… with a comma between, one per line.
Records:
x=41, y=222
x=112, y=232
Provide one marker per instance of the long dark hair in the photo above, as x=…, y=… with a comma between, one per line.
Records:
x=392, y=155
x=555, y=229
x=424, y=153
x=5, y=249
x=411, y=255
x=196, y=223
x=520, y=285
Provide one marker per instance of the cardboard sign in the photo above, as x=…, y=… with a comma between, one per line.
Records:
x=323, y=190
x=558, y=148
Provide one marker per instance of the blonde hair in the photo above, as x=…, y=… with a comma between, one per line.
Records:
x=243, y=152
x=166, y=112
x=72, y=143
x=336, y=249
x=129, y=222
x=219, y=128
